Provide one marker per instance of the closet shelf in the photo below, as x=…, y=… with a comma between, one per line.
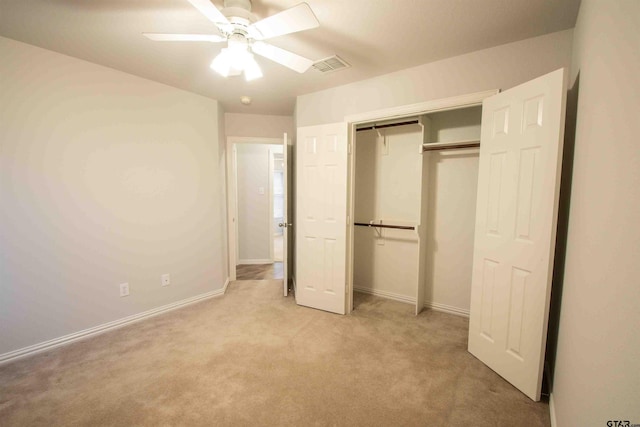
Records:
x=433, y=146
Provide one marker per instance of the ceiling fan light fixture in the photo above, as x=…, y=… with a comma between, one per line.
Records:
x=238, y=54
x=234, y=60
x=221, y=64
x=252, y=70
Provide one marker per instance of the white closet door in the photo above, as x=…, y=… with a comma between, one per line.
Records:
x=321, y=203
x=516, y=216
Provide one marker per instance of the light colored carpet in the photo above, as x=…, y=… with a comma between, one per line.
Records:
x=253, y=357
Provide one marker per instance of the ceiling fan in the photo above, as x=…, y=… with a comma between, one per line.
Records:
x=244, y=35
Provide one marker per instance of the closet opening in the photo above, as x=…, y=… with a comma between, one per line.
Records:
x=485, y=219
x=413, y=192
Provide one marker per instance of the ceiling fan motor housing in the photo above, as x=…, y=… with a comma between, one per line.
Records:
x=238, y=12
x=242, y=4
x=238, y=39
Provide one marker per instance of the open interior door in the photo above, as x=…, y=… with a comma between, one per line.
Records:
x=285, y=224
x=516, y=217
x=321, y=211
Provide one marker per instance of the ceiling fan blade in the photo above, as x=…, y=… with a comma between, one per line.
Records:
x=297, y=18
x=161, y=37
x=284, y=57
x=209, y=10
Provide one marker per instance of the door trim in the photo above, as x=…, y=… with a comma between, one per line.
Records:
x=444, y=104
x=232, y=196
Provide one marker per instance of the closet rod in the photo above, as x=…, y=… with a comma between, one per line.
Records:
x=390, y=125
x=399, y=227
x=450, y=145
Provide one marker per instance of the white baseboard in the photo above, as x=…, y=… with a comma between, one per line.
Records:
x=409, y=300
x=105, y=327
x=255, y=261
x=552, y=411
x=447, y=308
x=384, y=294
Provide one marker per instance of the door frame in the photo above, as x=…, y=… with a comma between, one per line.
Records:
x=232, y=196
x=437, y=105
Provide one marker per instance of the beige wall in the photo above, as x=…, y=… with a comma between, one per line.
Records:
x=453, y=182
x=597, y=369
x=451, y=188
x=104, y=178
x=258, y=125
x=499, y=67
x=224, y=197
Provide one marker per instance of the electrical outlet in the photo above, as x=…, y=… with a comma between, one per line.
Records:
x=165, y=279
x=124, y=289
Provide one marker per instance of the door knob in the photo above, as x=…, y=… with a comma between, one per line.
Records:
x=284, y=224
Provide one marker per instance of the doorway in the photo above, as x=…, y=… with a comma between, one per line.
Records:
x=277, y=197
x=255, y=202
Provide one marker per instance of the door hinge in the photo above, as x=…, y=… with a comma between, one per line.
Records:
x=349, y=148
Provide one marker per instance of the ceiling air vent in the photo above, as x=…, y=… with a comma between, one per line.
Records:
x=330, y=64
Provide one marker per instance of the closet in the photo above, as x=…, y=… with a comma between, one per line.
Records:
x=415, y=185
x=387, y=205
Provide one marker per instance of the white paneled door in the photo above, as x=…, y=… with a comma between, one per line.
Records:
x=321, y=207
x=516, y=216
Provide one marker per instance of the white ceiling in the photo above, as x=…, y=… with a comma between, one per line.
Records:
x=374, y=36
